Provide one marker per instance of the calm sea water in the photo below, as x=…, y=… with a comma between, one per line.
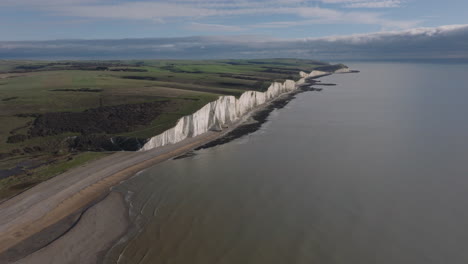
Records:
x=373, y=170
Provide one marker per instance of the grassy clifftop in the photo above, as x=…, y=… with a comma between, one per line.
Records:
x=54, y=112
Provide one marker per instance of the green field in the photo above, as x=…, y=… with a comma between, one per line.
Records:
x=31, y=89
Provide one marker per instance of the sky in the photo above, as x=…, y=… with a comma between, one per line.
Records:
x=114, y=19
x=242, y=26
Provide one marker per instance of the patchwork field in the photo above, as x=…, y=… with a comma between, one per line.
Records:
x=56, y=115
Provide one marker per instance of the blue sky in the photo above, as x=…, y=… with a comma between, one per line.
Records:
x=287, y=19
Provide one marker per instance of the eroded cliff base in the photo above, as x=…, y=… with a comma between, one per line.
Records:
x=258, y=117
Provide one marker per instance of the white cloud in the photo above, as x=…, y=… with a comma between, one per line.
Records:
x=213, y=27
x=195, y=10
x=134, y=10
x=366, y=3
x=426, y=32
x=44, y=3
x=329, y=16
x=377, y=4
x=446, y=42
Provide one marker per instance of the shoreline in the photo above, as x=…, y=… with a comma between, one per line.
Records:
x=24, y=221
x=252, y=123
x=35, y=219
x=92, y=225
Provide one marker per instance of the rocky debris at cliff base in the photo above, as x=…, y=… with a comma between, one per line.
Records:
x=254, y=123
x=325, y=84
x=350, y=71
x=228, y=109
x=259, y=117
x=222, y=112
x=186, y=155
x=311, y=89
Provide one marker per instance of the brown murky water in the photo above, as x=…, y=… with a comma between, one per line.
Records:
x=373, y=170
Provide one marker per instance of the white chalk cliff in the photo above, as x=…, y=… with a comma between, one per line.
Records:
x=343, y=70
x=224, y=111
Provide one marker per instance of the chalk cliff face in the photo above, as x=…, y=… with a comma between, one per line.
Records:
x=314, y=74
x=343, y=70
x=223, y=112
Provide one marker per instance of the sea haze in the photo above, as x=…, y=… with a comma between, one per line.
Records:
x=372, y=170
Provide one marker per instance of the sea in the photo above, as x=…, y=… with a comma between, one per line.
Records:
x=373, y=170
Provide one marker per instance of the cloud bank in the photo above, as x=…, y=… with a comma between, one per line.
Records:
x=312, y=12
x=446, y=42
